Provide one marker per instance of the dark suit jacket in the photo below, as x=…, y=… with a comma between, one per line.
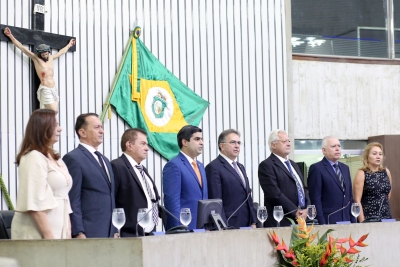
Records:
x=326, y=192
x=225, y=183
x=182, y=189
x=91, y=195
x=129, y=194
x=279, y=189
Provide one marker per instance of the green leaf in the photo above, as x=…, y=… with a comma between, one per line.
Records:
x=324, y=237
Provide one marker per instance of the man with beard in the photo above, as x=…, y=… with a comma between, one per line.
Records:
x=47, y=93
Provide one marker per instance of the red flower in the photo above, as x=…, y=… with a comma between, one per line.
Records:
x=342, y=240
x=347, y=260
x=282, y=247
x=351, y=242
x=275, y=238
x=352, y=250
x=290, y=255
x=323, y=261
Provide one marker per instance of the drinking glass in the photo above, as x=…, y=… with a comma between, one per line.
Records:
x=278, y=214
x=118, y=219
x=311, y=212
x=143, y=218
x=355, y=210
x=262, y=214
x=186, y=216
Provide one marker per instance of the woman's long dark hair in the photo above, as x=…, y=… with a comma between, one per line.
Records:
x=38, y=134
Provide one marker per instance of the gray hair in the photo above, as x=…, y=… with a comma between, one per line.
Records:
x=273, y=137
x=325, y=140
x=222, y=136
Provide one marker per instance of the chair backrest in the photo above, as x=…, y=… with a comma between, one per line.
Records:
x=6, y=217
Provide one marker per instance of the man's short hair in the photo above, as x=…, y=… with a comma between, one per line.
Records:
x=186, y=133
x=274, y=136
x=130, y=135
x=324, y=142
x=222, y=136
x=82, y=123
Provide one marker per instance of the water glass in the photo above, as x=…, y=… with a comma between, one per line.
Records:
x=278, y=214
x=118, y=219
x=185, y=216
x=262, y=214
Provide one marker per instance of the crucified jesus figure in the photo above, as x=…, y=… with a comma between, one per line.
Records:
x=47, y=93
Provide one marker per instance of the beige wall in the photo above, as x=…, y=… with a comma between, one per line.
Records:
x=348, y=100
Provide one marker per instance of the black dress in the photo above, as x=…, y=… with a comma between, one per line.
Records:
x=375, y=201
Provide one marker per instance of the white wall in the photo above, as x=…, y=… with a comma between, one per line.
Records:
x=348, y=100
x=230, y=52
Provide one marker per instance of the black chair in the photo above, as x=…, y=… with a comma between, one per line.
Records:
x=6, y=217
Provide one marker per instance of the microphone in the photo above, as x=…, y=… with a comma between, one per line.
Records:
x=291, y=211
x=174, y=230
x=248, y=195
x=338, y=210
x=153, y=206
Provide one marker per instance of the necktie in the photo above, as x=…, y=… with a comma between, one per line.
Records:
x=102, y=163
x=238, y=172
x=339, y=174
x=196, y=170
x=300, y=192
x=151, y=195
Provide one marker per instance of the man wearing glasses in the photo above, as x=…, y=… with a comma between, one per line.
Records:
x=227, y=180
x=282, y=181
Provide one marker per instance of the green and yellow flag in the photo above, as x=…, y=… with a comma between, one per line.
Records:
x=148, y=96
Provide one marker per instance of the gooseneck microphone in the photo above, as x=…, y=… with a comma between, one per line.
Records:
x=248, y=195
x=150, y=210
x=338, y=210
x=174, y=230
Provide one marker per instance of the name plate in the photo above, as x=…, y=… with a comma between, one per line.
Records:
x=158, y=233
x=199, y=230
x=343, y=222
x=245, y=228
x=388, y=220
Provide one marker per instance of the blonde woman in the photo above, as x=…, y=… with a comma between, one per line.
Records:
x=372, y=184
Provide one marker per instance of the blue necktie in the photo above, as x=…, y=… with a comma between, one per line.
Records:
x=300, y=192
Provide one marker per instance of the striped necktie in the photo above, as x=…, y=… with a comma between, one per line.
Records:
x=150, y=192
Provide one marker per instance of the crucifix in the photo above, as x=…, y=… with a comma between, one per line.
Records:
x=40, y=43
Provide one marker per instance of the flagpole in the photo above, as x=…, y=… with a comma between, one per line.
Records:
x=6, y=195
x=107, y=104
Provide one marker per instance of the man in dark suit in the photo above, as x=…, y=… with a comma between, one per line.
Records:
x=184, y=177
x=282, y=181
x=329, y=182
x=134, y=188
x=227, y=180
x=92, y=192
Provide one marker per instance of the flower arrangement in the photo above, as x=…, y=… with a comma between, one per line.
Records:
x=306, y=250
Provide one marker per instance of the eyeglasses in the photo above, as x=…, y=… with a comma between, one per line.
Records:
x=233, y=143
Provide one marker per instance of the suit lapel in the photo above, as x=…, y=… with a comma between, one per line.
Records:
x=229, y=167
x=334, y=176
x=279, y=163
x=97, y=164
x=132, y=171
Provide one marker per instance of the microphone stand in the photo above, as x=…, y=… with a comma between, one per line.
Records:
x=338, y=210
x=177, y=229
x=227, y=221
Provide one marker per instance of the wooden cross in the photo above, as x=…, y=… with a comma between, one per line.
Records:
x=35, y=37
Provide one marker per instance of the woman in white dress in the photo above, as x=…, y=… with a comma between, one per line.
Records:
x=43, y=208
